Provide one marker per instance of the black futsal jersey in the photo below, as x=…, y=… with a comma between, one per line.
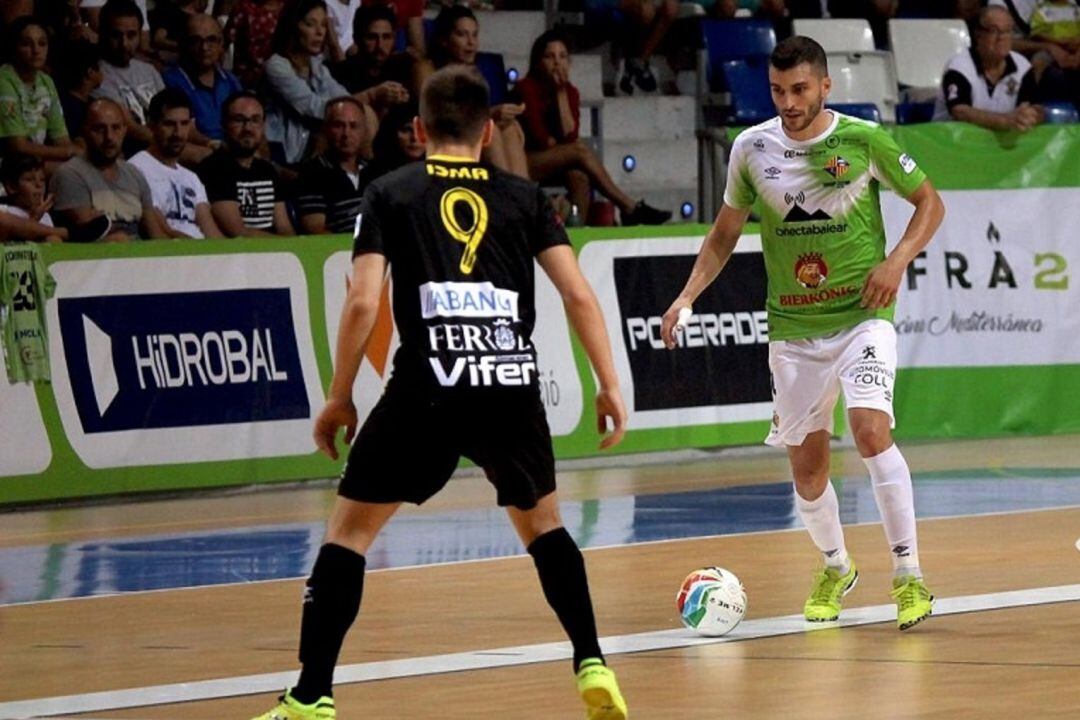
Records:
x=460, y=237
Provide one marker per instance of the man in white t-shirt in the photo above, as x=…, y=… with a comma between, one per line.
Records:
x=990, y=85
x=178, y=193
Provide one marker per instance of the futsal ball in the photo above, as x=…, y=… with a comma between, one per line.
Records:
x=711, y=601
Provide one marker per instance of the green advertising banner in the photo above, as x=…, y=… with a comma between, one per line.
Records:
x=193, y=364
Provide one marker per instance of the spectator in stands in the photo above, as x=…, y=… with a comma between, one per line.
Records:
x=455, y=39
x=551, y=121
x=127, y=80
x=649, y=22
x=330, y=188
x=79, y=75
x=377, y=75
x=177, y=192
x=31, y=116
x=24, y=210
x=251, y=29
x=1056, y=24
x=395, y=144
x=300, y=84
x=990, y=84
x=103, y=182
x=878, y=12
x=168, y=24
x=245, y=194
x=340, y=14
x=94, y=12
x=200, y=76
x=410, y=19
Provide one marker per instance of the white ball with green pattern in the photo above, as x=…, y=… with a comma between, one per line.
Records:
x=711, y=601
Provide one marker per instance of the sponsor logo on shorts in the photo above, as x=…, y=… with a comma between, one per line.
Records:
x=811, y=270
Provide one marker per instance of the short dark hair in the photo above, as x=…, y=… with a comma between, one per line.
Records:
x=168, y=99
x=799, y=49
x=17, y=165
x=226, y=107
x=18, y=27
x=455, y=103
x=368, y=14
x=114, y=9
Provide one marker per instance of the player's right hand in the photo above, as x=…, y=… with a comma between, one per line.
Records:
x=609, y=404
x=336, y=414
x=669, y=324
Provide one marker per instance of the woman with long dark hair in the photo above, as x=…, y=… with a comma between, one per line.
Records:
x=555, y=152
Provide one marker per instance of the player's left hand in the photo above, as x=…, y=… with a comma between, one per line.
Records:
x=881, y=286
x=609, y=404
x=336, y=414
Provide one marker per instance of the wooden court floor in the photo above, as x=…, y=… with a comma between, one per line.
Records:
x=1003, y=661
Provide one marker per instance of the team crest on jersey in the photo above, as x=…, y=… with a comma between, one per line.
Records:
x=837, y=166
x=1011, y=86
x=504, y=336
x=811, y=270
x=759, y=145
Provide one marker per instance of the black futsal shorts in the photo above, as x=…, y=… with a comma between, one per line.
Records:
x=410, y=444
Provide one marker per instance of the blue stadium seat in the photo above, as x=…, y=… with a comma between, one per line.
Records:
x=727, y=40
x=909, y=113
x=865, y=111
x=1060, y=113
x=748, y=82
x=493, y=68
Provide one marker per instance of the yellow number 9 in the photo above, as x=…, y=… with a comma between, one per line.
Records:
x=471, y=236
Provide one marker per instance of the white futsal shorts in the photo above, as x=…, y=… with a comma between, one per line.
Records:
x=808, y=374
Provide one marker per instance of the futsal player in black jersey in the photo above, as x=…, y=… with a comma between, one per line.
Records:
x=460, y=239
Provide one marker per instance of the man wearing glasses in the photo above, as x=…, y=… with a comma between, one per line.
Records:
x=200, y=76
x=246, y=197
x=990, y=85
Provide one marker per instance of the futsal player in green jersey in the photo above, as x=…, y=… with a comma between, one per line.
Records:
x=816, y=175
x=461, y=240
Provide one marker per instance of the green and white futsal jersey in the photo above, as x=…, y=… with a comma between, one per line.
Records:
x=821, y=226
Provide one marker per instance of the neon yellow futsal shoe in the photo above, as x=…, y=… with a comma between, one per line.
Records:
x=828, y=592
x=291, y=709
x=914, y=603
x=600, y=691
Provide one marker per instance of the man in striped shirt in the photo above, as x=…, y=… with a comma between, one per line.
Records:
x=246, y=197
x=330, y=184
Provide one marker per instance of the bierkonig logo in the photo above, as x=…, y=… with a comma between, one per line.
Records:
x=183, y=359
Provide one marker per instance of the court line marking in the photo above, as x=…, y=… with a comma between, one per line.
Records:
x=497, y=558
x=511, y=656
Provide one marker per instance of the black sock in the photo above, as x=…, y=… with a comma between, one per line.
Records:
x=331, y=602
x=562, y=575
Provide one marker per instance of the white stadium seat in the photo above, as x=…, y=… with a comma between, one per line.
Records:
x=864, y=77
x=837, y=35
x=922, y=47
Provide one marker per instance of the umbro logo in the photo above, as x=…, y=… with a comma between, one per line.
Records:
x=902, y=551
x=773, y=173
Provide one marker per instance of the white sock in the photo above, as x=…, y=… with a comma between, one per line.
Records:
x=822, y=518
x=891, y=480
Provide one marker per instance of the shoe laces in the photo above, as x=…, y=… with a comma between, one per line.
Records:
x=910, y=593
x=825, y=585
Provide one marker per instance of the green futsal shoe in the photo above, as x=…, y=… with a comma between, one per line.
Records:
x=828, y=592
x=600, y=691
x=291, y=709
x=914, y=603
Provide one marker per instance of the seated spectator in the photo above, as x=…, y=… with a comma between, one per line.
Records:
x=178, y=193
x=340, y=14
x=200, y=76
x=330, y=187
x=878, y=12
x=1063, y=55
x=94, y=10
x=168, y=24
x=455, y=39
x=244, y=191
x=551, y=121
x=24, y=210
x=1056, y=24
x=103, y=183
x=395, y=144
x=647, y=24
x=990, y=84
x=300, y=84
x=127, y=80
x=79, y=76
x=377, y=75
x=251, y=29
x=410, y=18
x=31, y=117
